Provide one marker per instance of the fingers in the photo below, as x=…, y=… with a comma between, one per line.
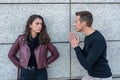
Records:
x=78, y=39
x=71, y=36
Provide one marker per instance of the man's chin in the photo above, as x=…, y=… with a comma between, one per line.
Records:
x=77, y=30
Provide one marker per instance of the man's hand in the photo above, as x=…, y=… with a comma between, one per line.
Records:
x=73, y=40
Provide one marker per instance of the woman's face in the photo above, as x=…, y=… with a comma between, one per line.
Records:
x=36, y=25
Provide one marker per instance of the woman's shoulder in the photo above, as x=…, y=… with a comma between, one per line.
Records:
x=50, y=44
x=21, y=36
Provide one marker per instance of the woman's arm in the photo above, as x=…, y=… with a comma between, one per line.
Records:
x=13, y=52
x=54, y=53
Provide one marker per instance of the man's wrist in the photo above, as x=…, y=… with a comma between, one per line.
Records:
x=74, y=46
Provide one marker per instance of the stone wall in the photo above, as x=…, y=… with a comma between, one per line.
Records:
x=59, y=17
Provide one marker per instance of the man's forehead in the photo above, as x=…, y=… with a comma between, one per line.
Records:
x=77, y=17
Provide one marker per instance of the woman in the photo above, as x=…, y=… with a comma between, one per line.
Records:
x=33, y=46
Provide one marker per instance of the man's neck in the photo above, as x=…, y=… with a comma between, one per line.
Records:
x=88, y=31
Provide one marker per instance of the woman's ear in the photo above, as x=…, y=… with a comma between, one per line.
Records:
x=30, y=26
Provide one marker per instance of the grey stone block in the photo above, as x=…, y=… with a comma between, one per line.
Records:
x=116, y=78
x=13, y=20
x=106, y=18
x=114, y=57
x=61, y=67
x=34, y=1
x=76, y=69
x=7, y=70
x=58, y=69
x=95, y=1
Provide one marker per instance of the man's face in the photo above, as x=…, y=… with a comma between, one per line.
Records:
x=78, y=24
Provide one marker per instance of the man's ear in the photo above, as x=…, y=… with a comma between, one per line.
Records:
x=84, y=23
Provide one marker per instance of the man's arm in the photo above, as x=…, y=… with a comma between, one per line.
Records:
x=95, y=51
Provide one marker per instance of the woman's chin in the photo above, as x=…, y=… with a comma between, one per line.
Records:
x=38, y=31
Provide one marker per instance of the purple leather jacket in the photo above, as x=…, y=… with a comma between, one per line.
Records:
x=40, y=53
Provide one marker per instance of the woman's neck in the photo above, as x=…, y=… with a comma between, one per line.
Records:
x=33, y=34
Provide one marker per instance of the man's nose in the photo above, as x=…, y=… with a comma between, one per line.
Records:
x=74, y=24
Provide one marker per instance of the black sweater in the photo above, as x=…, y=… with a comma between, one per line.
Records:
x=93, y=56
x=32, y=43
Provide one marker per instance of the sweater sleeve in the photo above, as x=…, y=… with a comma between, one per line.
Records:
x=95, y=51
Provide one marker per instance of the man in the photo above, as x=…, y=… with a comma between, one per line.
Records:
x=93, y=55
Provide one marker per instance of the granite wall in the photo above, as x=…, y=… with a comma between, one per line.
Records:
x=59, y=17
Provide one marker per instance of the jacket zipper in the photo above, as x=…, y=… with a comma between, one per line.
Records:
x=35, y=54
x=29, y=54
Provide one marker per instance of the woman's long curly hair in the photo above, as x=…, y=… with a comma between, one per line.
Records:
x=43, y=35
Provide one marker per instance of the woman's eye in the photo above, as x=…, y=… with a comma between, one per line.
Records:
x=37, y=23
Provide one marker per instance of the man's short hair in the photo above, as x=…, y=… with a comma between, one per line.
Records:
x=85, y=16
